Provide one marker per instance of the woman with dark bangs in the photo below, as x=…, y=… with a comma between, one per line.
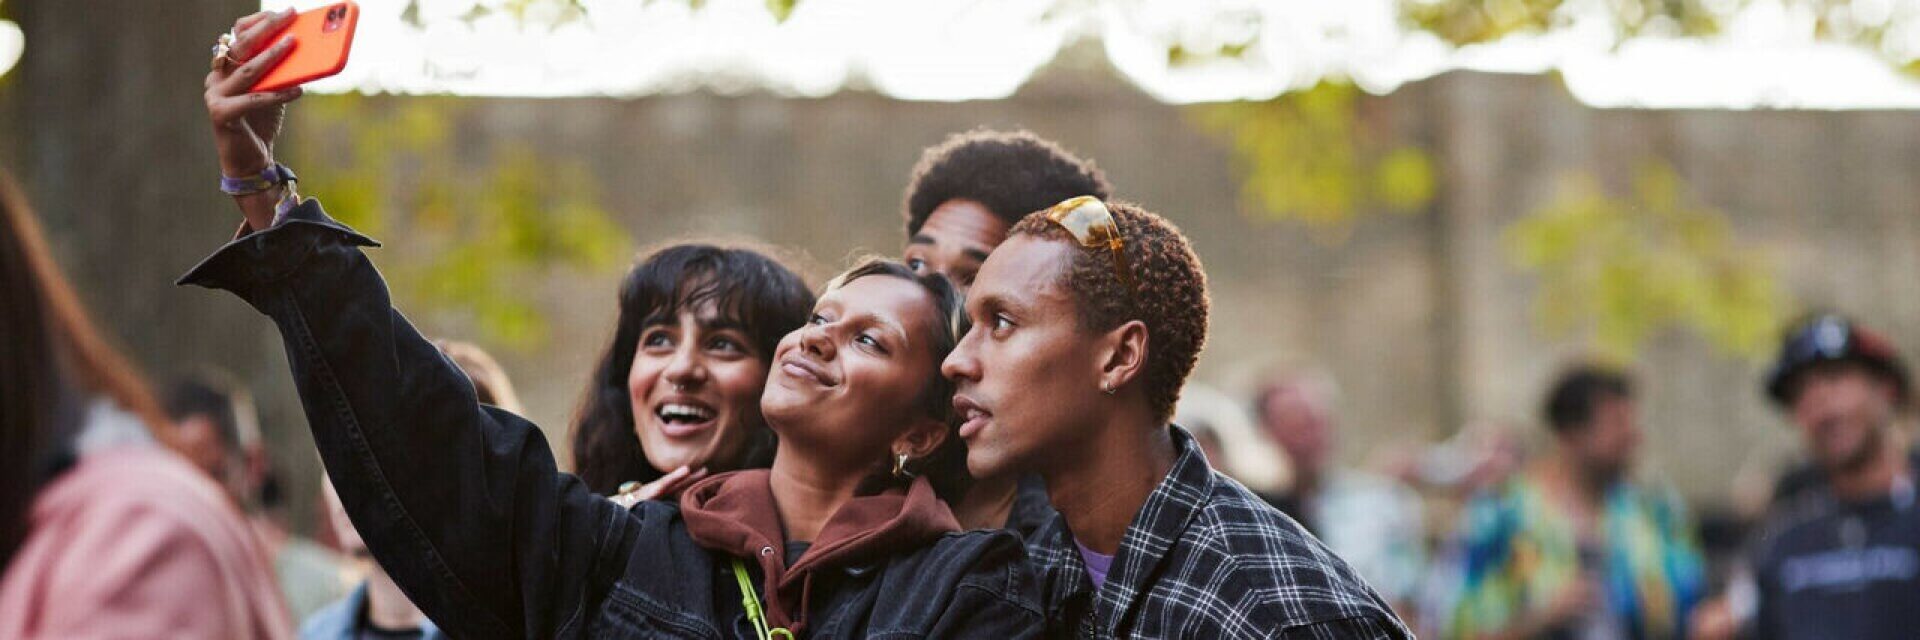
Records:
x=676, y=394
x=846, y=534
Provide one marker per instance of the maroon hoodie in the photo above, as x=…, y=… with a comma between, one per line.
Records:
x=734, y=513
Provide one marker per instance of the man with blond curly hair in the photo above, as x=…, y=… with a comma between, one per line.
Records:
x=1086, y=323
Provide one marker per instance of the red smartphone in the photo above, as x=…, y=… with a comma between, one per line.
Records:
x=322, y=38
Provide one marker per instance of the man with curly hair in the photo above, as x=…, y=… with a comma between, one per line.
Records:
x=964, y=194
x=966, y=191
x=1086, y=323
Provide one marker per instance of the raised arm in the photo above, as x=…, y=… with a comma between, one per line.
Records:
x=462, y=504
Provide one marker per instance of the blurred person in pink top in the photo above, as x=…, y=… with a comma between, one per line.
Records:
x=104, y=532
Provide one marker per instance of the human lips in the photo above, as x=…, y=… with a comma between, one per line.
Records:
x=975, y=416
x=684, y=417
x=802, y=368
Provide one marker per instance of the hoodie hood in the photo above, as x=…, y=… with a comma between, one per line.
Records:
x=734, y=513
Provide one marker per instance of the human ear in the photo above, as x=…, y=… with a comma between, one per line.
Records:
x=1123, y=355
x=921, y=439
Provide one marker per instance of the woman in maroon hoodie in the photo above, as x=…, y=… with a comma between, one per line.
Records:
x=845, y=535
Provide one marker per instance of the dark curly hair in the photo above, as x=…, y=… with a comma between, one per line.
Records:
x=946, y=467
x=1169, y=294
x=1576, y=395
x=764, y=298
x=1012, y=173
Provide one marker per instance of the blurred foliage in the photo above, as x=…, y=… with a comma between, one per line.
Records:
x=1474, y=21
x=1885, y=27
x=554, y=14
x=1308, y=156
x=464, y=237
x=1624, y=270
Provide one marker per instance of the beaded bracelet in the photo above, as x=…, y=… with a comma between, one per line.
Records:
x=271, y=177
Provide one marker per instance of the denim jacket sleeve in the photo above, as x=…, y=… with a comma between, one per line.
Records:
x=461, y=503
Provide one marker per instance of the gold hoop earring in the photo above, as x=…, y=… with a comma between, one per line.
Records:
x=900, y=467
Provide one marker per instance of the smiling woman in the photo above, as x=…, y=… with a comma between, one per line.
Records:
x=677, y=390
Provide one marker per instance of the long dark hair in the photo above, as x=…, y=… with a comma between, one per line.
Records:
x=759, y=294
x=946, y=467
x=50, y=356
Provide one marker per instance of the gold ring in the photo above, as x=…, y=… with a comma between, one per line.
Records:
x=223, y=52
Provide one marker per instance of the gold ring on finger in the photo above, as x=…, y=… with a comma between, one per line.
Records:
x=223, y=52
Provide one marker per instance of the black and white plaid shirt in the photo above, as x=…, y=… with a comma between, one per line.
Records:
x=1205, y=558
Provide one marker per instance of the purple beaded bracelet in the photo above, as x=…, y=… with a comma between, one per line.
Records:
x=271, y=177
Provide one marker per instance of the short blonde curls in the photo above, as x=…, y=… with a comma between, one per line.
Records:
x=1169, y=294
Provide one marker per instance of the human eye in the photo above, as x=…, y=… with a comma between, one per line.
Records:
x=726, y=344
x=655, y=338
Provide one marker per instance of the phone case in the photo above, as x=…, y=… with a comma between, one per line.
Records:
x=322, y=39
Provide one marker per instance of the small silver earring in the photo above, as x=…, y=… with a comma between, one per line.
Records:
x=1106, y=388
x=900, y=467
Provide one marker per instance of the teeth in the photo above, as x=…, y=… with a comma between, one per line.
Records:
x=685, y=412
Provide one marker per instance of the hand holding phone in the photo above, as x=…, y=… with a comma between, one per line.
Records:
x=322, y=39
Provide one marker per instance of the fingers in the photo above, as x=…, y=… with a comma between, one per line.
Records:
x=671, y=484
x=227, y=110
x=248, y=41
x=250, y=20
x=243, y=78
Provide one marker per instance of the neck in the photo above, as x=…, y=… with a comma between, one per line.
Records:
x=1874, y=477
x=988, y=504
x=387, y=607
x=806, y=495
x=1592, y=484
x=1100, y=488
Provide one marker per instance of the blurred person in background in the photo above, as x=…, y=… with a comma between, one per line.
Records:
x=1372, y=521
x=103, y=531
x=490, y=381
x=1842, y=560
x=376, y=608
x=1571, y=547
x=676, y=393
x=1220, y=425
x=217, y=427
x=963, y=196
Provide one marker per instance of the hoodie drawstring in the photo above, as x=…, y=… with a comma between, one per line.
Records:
x=750, y=601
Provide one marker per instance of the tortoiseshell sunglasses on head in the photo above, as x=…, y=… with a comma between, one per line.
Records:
x=1087, y=219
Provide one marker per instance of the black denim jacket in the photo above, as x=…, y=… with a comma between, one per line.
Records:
x=463, y=506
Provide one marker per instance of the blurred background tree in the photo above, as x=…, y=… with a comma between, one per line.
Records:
x=1312, y=156
x=467, y=242
x=1623, y=269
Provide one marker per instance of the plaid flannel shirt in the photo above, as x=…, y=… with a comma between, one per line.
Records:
x=1206, y=558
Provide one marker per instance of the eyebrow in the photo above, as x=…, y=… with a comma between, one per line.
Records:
x=710, y=323
x=971, y=252
x=900, y=332
x=990, y=301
